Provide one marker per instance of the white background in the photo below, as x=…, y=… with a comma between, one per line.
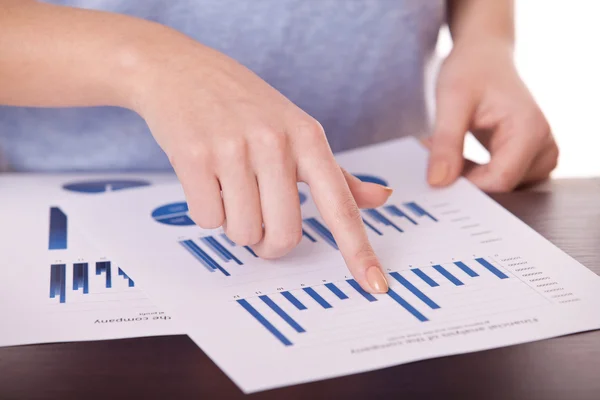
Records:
x=558, y=56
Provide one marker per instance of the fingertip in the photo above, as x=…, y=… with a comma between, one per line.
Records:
x=438, y=173
x=371, y=195
x=376, y=280
x=444, y=169
x=379, y=191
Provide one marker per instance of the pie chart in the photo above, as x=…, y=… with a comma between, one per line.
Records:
x=102, y=186
x=372, y=179
x=175, y=214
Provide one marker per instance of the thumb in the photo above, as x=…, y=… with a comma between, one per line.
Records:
x=367, y=194
x=454, y=110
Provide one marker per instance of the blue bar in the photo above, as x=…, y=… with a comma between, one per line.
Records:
x=414, y=290
x=395, y=211
x=58, y=281
x=491, y=268
x=360, y=290
x=406, y=306
x=308, y=236
x=80, y=277
x=336, y=290
x=122, y=273
x=285, y=316
x=292, y=299
x=222, y=255
x=311, y=292
x=322, y=231
x=57, y=237
x=77, y=277
x=104, y=266
x=379, y=217
x=377, y=231
x=250, y=251
x=203, y=257
x=425, y=277
x=448, y=275
x=227, y=240
x=414, y=207
x=466, y=269
x=220, y=250
x=86, y=279
x=192, y=248
x=263, y=321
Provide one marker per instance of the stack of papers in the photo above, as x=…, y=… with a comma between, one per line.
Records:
x=91, y=258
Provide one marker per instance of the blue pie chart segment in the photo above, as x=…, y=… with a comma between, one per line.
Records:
x=102, y=186
x=173, y=214
x=372, y=179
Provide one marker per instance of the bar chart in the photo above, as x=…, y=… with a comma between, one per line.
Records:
x=217, y=253
x=417, y=295
x=102, y=280
x=69, y=279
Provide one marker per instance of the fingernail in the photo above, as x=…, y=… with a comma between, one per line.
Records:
x=376, y=280
x=438, y=172
x=388, y=190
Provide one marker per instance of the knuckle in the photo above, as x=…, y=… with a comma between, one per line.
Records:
x=193, y=153
x=552, y=158
x=273, y=141
x=233, y=148
x=542, y=133
x=504, y=181
x=206, y=220
x=197, y=151
x=244, y=237
x=347, y=210
x=446, y=139
x=541, y=128
x=289, y=240
x=311, y=131
x=255, y=235
x=366, y=255
x=279, y=244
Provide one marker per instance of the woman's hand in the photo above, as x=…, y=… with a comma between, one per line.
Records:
x=480, y=91
x=239, y=148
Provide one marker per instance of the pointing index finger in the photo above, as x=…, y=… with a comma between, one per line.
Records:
x=338, y=208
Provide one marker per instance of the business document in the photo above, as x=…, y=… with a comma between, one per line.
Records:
x=54, y=285
x=465, y=275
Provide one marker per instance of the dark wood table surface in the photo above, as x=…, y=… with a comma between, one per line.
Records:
x=565, y=212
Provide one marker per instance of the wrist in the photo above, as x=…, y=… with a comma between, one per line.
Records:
x=145, y=60
x=488, y=46
x=497, y=42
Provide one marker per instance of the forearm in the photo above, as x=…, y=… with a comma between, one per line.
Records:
x=53, y=56
x=476, y=20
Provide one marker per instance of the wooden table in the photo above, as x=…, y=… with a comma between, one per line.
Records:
x=566, y=212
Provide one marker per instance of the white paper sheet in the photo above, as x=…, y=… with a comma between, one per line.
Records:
x=465, y=275
x=91, y=298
